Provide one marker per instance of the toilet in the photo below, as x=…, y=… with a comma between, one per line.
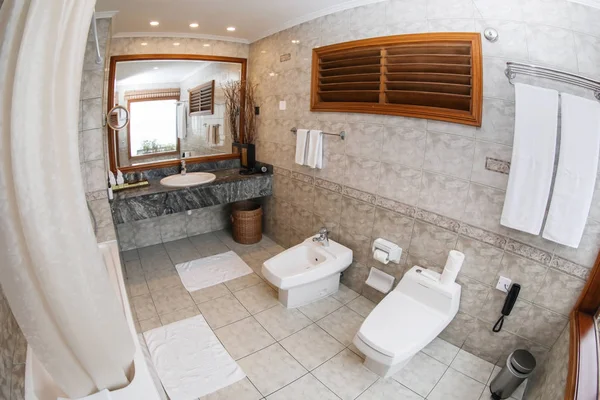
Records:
x=407, y=320
x=307, y=272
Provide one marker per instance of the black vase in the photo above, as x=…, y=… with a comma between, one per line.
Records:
x=247, y=154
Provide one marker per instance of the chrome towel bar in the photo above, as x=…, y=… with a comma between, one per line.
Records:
x=342, y=134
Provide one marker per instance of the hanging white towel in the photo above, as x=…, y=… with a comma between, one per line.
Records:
x=181, y=120
x=301, y=146
x=576, y=173
x=215, y=134
x=314, y=158
x=532, y=162
x=209, y=135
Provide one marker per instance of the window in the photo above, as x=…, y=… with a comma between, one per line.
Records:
x=202, y=101
x=152, y=127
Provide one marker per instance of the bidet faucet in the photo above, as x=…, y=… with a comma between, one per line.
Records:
x=323, y=237
x=183, y=168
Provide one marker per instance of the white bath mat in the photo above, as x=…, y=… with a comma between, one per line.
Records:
x=210, y=271
x=190, y=360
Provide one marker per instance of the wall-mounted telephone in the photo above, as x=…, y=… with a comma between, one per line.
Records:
x=509, y=303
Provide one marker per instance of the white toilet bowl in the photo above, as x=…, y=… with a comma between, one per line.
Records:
x=307, y=272
x=406, y=320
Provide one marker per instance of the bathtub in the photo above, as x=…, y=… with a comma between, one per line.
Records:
x=39, y=384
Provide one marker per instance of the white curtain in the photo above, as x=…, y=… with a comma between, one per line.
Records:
x=51, y=270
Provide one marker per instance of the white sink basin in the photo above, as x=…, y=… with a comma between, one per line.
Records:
x=189, y=179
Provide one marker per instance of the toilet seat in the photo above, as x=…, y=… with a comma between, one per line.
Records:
x=399, y=326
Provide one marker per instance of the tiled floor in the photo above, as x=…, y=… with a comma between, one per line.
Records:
x=298, y=354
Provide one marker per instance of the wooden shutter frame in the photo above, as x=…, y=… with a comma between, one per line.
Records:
x=200, y=89
x=472, y=117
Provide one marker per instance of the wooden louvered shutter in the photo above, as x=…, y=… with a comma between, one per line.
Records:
x=434, y=75
x=202, y=99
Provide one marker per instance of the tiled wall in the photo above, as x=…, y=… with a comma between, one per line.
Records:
x=171, y=227
x=423, y=184
x=13, y=348
x=549, y=381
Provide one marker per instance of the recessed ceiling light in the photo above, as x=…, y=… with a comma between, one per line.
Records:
x=154, y=23
x=206, y=45
x=176, y=44
x=295, y=41
x=155, y=67
x=231, y=28
x=272, y=74
x=194, y=25
x=144, y=44
x=263, y=51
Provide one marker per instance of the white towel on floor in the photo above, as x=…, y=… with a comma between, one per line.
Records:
x=314, y=158
x=576, y=173
x=532, y=163
x=301, y=146
x=181, y=112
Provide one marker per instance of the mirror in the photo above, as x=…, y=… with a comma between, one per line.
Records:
x=169, y=109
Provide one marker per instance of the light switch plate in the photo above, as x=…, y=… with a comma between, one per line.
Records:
x=503, y=284
x=282, y=105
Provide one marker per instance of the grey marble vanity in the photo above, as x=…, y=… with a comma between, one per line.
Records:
x=157, y=200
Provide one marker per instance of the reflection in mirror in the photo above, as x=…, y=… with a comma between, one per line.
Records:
x=176, y=109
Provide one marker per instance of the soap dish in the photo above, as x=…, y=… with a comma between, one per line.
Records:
x=380, y=281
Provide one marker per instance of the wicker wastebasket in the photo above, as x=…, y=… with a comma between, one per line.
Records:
x=246, y=218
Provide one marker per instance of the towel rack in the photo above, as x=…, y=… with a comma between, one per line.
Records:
x=205, y=124
x=342, y=134
x=514, y=68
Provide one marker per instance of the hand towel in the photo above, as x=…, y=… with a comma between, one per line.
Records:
x=181, y=111
x=532, y=163
x=215, y=135
x=576, y=172
x=210, y=132
x=301, y=147
x=314, y=158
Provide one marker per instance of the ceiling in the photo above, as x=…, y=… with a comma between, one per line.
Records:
x=253, y=19
x=141, y=72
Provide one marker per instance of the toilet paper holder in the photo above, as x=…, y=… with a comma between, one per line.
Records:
x=392, y=249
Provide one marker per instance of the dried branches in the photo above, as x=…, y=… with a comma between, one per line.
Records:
x=249, y=114
x=233, y=95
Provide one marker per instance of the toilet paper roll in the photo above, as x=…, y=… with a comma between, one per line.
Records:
x=381, y=256
x=452, y=268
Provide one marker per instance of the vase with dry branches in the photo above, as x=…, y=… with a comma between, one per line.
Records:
x=234, y=92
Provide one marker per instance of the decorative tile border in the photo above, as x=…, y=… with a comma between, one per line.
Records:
x=569, y=267
x=97, y=195
x=437, y=220
x=303, y=177
x=282, y=171
x=496, y=165
x=395, y=206
x=529, y=252
x=483, y=236
x=360, y=195
x=334, y=187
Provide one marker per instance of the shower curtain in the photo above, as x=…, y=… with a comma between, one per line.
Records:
x=51, y=269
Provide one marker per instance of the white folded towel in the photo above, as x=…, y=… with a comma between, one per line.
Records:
x=181, y=120
x=532, y=163
x=301, y=146
x=314, y=159
x=576, y=173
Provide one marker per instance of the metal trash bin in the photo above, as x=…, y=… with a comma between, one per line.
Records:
x=519, y=365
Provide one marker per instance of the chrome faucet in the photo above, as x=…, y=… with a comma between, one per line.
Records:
x=183, y=168
x=323, y=237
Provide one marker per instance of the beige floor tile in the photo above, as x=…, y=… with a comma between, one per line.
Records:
x=421, y=374
x=345, y=375
x=321, y=308
x=388, y=389
x=456, y=386
x=441, y=350
x=312, y=346
x=136, y=285
x=472, y=366
x=342, y=325
x=181, y=251
x=244, y=337
x=241, y=390
x=362, y=306
x=144, y=307
x=149, y=324
x=171, y=299
x=209, y=293
x=155, y=263
x=306, y=388
x=257, y=298
x=179, y=315
x=271, y=369
x=344, y=294
x=281, y=322
x=163, y=279
x=152, y=251
x=243, y=282
x=222, y=311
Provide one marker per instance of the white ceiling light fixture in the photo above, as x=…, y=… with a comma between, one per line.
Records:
x=206, y=45
x=176, y=44
x=155, y=67
x=295, y=41
x=144, y=44
x=194, y=25
x=231, y=28
x=154, y=23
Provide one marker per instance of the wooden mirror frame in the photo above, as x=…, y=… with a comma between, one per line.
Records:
x=112, y=152
x=583, y=375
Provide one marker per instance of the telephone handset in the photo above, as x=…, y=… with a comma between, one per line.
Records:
x=509, y=303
